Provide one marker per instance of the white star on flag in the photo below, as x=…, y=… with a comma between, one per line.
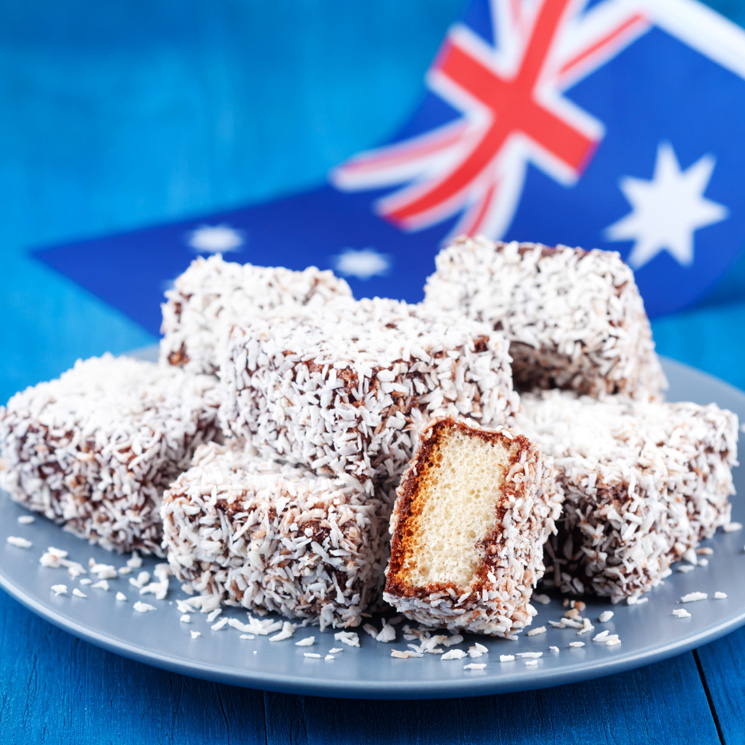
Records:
x=363, y=264
x=666, y=211
x=215, y=239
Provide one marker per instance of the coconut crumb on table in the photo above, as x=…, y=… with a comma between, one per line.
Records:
x=537, y=631
x=59, y=589
x=101, y=585
x=309, y=641
x=576, y=645
x=335, y=650
x=720, y=596
x=475, y=666
x=120, y=596
x=26, y=519
x=312, y=655
x=79, y=593
x=141, y=607
x=732, y=527
x=195, y=634
x=681, y=613
x=221, y=624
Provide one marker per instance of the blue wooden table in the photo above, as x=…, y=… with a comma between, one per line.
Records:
x=119, y=115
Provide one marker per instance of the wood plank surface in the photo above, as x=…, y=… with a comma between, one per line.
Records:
x=722, y=664
x=663, y=703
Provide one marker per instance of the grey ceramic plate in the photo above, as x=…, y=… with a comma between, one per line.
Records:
x=649, y=632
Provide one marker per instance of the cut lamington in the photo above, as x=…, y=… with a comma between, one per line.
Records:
x=644, y=482
x=472, y=514
x=269, y=536
x=344, y=390
x=574, y=318
x=95, y=449
x=213, y=294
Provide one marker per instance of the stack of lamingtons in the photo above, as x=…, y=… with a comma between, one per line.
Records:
x=299, y=451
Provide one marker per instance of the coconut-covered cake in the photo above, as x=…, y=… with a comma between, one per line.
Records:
x=574, y=318
x=644, y=482
x=344, y=390
x=95, y=448
x=272, y=537
x=472, y=513
x=212, y=294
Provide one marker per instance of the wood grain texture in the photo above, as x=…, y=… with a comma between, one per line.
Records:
x=57, y=689
x=723, y=667
x=644, y=705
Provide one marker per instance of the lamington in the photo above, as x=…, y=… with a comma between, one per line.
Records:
x=574, y=319
x=95, y=448
x=644, y=482
x=472, y=514
x=213, y=294
x=273, y=537
x=345, y=389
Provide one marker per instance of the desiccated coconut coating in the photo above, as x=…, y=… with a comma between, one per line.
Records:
x=574, y=318
x=344, y=390
x=473, y=511
x=95, y=448
x=644, y=482
x=272, y=537
x=213, y=294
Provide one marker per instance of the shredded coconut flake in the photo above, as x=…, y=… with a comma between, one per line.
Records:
x=141, y=607
x=350, y=638
x=288, y=629
x=537, y=631
x=19, y=542
x=59, y=589
x=693, y=597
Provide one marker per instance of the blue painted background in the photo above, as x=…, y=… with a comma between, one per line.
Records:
x=117, y=115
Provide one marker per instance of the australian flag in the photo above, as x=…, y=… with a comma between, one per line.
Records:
x=614, y=124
